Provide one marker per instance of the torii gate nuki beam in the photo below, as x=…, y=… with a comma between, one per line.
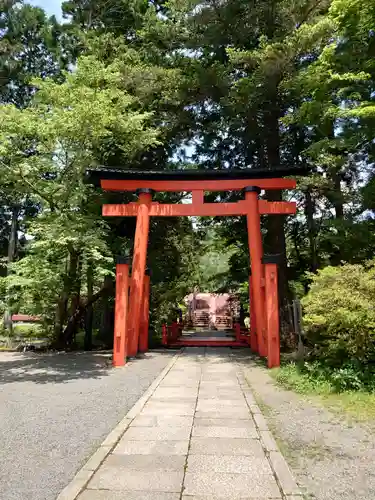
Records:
x=131, y=322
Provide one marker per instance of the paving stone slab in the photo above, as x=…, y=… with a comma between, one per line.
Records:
x=221, y=390
x=221, y=380
x=76, y=485
x=152, y=447
x=157, y=409
x=157, y=434
x=222, y=432
x=226, y=446
x=184, y=374
x=260, y=422
x=208, y=404
x=128, y=495
x=249, y=398
x=147, y=462
x=255, y=409
x=224, y=422
x=232, y=413
x=116, y=478
x=210, y=497
x=171, y=392
x=205, y=396
x=175, y=400
x=97, y=458
x=268, y=441
x=192, y=384
x=283, y=473
x=229, y=464
x=230, y=486
x=182, y=379
x=169, y=405
x=218, y=383
x=162, y=421
x=212, y=394
x=227, y=372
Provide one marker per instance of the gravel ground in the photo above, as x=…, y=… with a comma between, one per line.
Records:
x=56, y=409
x=331, y=458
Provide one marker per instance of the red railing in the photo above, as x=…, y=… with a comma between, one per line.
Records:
x=171, y=333
x=242, y=334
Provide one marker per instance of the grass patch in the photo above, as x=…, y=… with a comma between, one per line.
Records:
x=359, y=404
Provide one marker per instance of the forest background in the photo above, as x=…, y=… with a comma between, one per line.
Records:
x=178, y=84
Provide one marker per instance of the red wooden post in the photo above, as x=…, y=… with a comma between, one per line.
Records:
x=121, y=313
x=253, y=333
x=256, y=254
x=145, y=315
x=164, y=335
x=237, y=331
x=272, y=308
x=138, y=269
x=175, y=331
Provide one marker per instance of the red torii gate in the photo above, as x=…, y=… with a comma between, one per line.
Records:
x=131, y=320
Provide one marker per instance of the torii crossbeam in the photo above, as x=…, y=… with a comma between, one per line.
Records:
x=131, y=322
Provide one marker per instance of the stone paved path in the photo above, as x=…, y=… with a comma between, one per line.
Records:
x=200, y=436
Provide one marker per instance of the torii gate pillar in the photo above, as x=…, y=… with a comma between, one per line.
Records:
x=257, y=270
x=264, y=276
x=138, y=269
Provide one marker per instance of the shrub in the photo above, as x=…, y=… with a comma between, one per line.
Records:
x=28, y=330
x=339, y=322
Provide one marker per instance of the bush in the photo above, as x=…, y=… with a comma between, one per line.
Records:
x=339, y=322
x=27, y=330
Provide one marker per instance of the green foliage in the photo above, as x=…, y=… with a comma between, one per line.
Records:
x=300, y=379
x=339, y=324
x=164, y=85
x=31, y=45
x=28, y=331
x=174, y=270
x=312, y=381
x=67, y=127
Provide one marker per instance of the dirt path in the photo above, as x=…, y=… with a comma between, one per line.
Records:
x=331, y=458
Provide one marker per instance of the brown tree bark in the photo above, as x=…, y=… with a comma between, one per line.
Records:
x=12, y=247
x=275, y=239
x=89, y=314
x=62, y=305
x=82, y=308
x=337, y=199
x=311, y=230
x=106, y=327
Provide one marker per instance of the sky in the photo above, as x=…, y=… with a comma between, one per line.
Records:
x=50, y=6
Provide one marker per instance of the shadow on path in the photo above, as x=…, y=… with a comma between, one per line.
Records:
x=56, y=367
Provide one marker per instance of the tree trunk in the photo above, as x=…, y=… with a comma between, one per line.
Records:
x=275, y=240
x=78, y=314
x=62, y=306
x=89, y=314
x=311, y=230
x=12, y=247
x=75, y=298
x=106, y=330
x=337, y=198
